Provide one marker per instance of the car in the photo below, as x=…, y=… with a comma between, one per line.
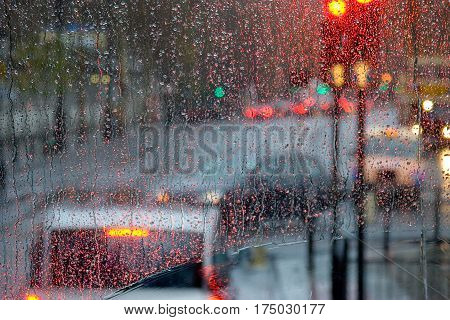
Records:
x=88, y=252
x=436, y=128
x=200, y=280
x=391, y=166
x=264, y=205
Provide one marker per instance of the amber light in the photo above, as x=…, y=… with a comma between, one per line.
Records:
x=32, y=297
x=446, y=132
x=391, y=133
x=127, y=232
x=338, y=75
x=163, y=197
x=266, y=112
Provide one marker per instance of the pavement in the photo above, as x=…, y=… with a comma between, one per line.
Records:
x=286, y=274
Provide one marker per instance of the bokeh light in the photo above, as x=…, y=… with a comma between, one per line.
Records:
x=337, y=7
x=219, y=92
x=427, y=105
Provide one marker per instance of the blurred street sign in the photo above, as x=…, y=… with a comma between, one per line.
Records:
x=433, y=89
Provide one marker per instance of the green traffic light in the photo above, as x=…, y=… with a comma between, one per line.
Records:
x=384, y=87
x=323, y=89
x=219, y=92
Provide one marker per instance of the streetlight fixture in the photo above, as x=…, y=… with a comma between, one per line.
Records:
x=427, y=105
x=446, y=132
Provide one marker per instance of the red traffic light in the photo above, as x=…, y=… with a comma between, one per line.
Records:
x=337, y=8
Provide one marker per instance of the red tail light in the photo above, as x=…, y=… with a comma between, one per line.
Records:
x=250, y=113
x=299, y=108
x=348, y=106
x=216, y=284
x=309, y=102
x=325, y=106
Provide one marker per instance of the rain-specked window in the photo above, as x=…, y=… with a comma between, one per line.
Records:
x=232, y=149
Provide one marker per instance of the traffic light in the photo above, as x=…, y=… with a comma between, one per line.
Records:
x=386, y=79
x=350, y=34
x=350, y=41
x=337, y=8
x=338, y=75
x=364, y=38
x=361, y=69
x=323, y=89
x=333, y=58
x=219, y=92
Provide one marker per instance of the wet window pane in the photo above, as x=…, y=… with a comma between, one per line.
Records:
x=193, y=147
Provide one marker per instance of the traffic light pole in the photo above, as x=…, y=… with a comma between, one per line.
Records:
x=360, y=191
x=339, y=254
x=360, y=25
x=334, y=173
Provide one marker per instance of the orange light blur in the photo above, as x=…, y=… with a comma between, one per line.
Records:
x=446, y=132
x=266, y=112
x=337, y=7
x=364, y=1
x=163, y=197
x=32, y=297
x=386, y=78
x=127, y=232
x=391, y=133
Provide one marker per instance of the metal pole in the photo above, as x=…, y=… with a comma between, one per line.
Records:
x=387, y=230
x=334, y=170
x=338, y=253
x=2, y=167
x=437, y=214
x=339, y=271
x=360, y=190
x=310, y=247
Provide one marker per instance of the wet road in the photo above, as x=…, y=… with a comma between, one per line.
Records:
x=36, y=180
